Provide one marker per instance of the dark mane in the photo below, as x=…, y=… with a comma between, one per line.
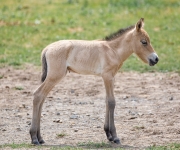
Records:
x=118, y=33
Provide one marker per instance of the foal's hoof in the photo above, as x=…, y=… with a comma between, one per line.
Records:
x=35, y=142
x=116, y=140
x=110, y=138
x=41, y=141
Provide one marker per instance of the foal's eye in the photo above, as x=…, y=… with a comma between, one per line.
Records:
x=144, y=42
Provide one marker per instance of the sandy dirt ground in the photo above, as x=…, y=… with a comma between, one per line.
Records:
x=147, y=108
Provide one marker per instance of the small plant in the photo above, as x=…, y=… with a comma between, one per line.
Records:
x=61, y=135
x=18, y=88
x=1, y=76
x=139, y=127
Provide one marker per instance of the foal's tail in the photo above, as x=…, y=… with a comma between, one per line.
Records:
x=44, y=66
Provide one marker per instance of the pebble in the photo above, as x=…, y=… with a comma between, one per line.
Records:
x=24, y=106
x=81, y=102
x=72, y=124
x=132, y=117
x=76, y=130
x=134, y=100
x=19, y=115
x=58, y=114
x=58, y=121
x=140, y=114
x=125, y=97
x=44, y=114
x=150, y=113
x=132, y=113
x=171, y=98
x=20, y=106
x=73, y=117
x=28, y=122
x=72, y=90
x=3, y=129
x=18, y=129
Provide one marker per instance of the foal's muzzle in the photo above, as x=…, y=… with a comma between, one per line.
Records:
x=153, y=59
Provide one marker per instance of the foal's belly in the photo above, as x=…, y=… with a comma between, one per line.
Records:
x=84, y=68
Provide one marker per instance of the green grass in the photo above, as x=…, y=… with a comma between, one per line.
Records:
x=17, y=146
x=26, y=27
x=18, y=88
x=174, y=146
x=88, y=145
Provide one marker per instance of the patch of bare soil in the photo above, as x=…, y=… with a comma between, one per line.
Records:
x=147, y=108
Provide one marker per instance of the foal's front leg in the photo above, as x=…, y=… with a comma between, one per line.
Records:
x=109, y=126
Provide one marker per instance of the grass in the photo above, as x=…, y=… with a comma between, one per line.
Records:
x=88, y=145
x=26, y=27
x=16, y=146
x=174, y=146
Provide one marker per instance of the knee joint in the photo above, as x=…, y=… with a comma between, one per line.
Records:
x=37, y=98
x=111, y=104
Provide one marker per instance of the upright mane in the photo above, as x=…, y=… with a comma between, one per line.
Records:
x=118, y=33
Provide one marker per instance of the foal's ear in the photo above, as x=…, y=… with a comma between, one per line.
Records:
x=140, y=24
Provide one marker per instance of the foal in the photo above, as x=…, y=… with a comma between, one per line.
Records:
x=99, y=57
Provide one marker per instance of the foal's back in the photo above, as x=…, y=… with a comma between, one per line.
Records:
x=83, y=57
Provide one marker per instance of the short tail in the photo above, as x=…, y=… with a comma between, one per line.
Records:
x=44, y=67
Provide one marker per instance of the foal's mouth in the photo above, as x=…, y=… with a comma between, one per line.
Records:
x=153, y=59
x=153, y=62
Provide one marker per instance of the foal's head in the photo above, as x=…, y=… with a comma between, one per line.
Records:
x=141, y=44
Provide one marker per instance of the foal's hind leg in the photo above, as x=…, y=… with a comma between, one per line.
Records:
x=39, y=97
x=40, y=139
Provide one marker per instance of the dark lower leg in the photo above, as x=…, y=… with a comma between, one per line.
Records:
x=34, y=128
x=40, y=139
x=106, y=125
x=35, y=119
x=112, y=127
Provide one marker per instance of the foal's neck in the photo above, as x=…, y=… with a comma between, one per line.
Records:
x=122, y=47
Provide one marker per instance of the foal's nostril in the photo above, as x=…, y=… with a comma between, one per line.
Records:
x=157, y=59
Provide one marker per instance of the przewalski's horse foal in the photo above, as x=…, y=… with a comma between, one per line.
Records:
x=99, y=57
